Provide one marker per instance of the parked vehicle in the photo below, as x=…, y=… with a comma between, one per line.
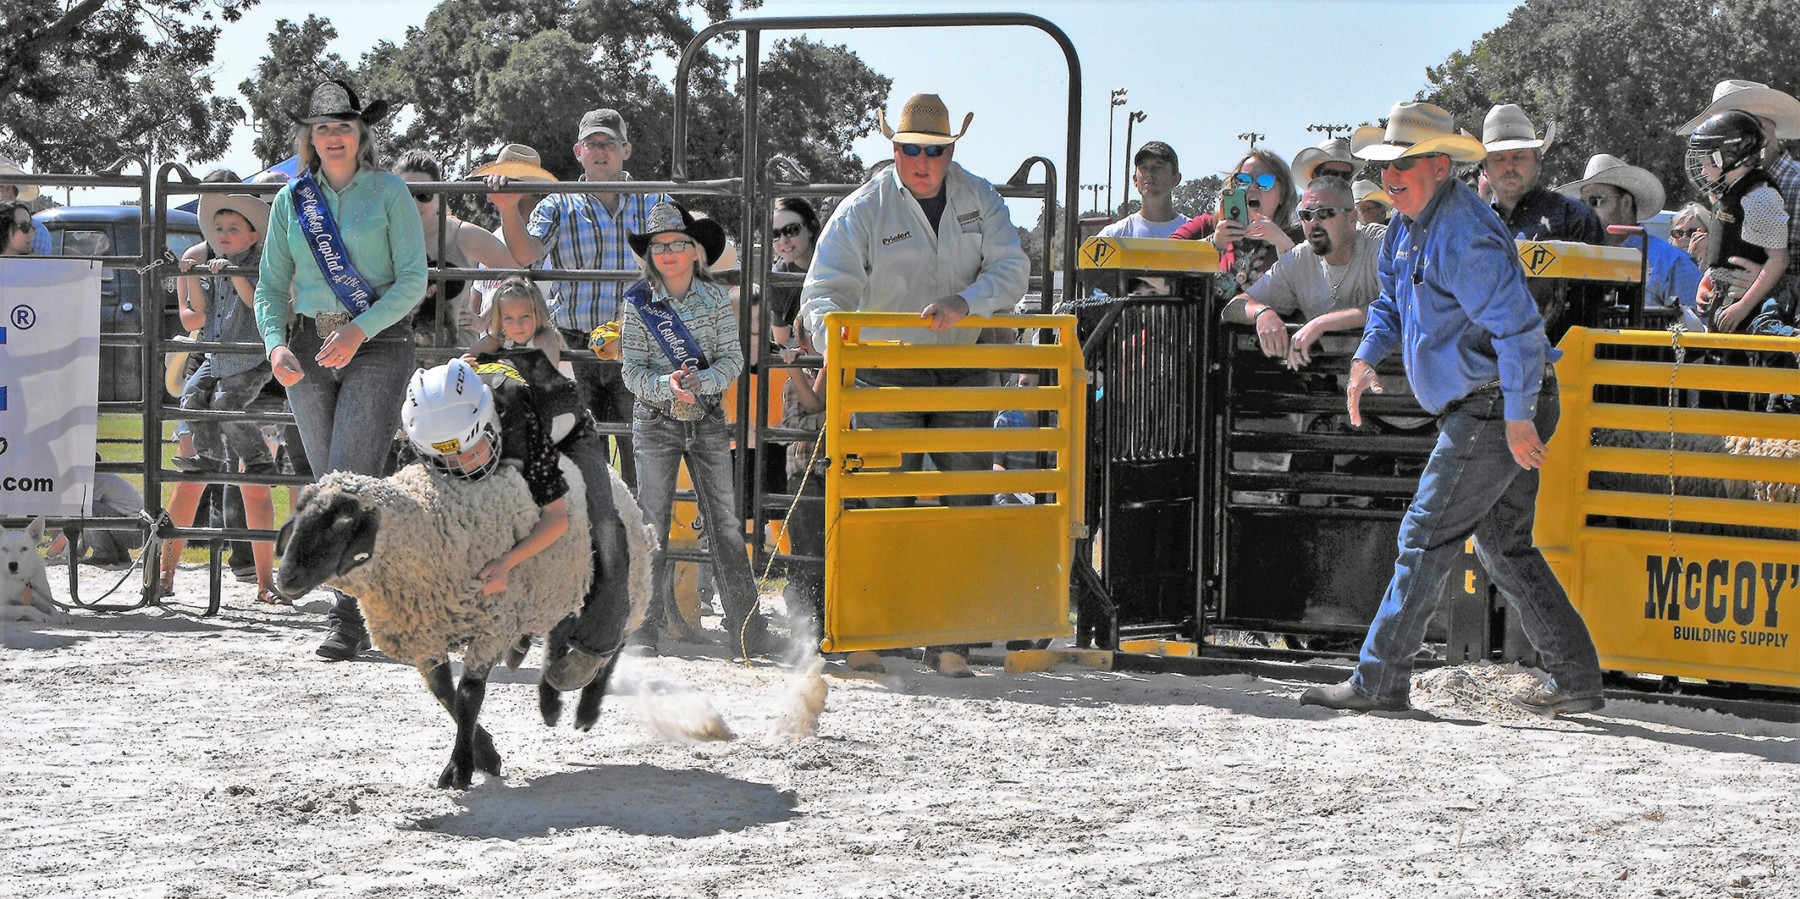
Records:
x=119, y=231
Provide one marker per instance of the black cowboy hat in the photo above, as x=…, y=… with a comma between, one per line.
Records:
x=669, y=218
x=334, y=101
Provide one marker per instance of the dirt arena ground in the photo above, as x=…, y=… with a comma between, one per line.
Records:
x=162, y=754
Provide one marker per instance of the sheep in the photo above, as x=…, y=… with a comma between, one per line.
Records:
x=1692, y=485
x=408, y=548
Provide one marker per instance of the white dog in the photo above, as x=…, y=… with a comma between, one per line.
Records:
x=24, y=587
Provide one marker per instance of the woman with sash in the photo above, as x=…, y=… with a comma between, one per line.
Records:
x=343, y=266
x=679, y=350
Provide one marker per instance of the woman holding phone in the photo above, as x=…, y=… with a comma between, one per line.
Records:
x=1255, y=221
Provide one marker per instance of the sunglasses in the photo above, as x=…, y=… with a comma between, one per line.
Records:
x=673, y=246
x=19, y=224
x=1598, y=200
x=1264, y=181
x=931, y=152
x=423, y=198
x=1684, y=233
x=788, y=232
x=1322, y=213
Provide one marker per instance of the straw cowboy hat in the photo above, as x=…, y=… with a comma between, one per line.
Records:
x=1756, y=99
x=516, y=161
x=923, y=120
x=1508, y=128
x=1604, y=168
x=669, y=218
x=176, y=369
x=1334, y=149
x=250, y=207
x=1416, y=129
x=334, y=101
x=27, y=192
x=1364, y=189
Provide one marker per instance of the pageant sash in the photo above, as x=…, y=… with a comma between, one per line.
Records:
x=327, y=243
x=669, y=332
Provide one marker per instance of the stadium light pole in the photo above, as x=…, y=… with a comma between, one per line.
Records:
x=1125, y=163
x=1118, y=100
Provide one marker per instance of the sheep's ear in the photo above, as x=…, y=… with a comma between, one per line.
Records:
x=281, y=536
x=361, y=545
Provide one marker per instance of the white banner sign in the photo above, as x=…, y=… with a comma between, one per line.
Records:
x=49, y=385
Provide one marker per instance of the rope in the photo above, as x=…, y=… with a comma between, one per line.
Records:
x=1675, y=332
x=137, y=563
x=762, y=581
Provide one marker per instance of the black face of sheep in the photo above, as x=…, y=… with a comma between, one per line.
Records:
x=326, y=537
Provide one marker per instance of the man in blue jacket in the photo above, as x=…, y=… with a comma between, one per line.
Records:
x=1453, y=301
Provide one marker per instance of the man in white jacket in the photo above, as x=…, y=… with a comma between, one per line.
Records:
x=926, y=237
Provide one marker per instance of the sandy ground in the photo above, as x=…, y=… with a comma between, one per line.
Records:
x=159, y=753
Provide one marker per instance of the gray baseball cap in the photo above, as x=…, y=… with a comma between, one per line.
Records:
x=603, y=121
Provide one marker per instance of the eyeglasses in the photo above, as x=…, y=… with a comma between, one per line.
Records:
x=1684, y=233
x=423, y=198
x=673, y=246
x=601, y=146
x=1264, y=181
x=1403, y=164
x=1342, y=171
x=1322, y=213
x=788, y=232
x=931, y=152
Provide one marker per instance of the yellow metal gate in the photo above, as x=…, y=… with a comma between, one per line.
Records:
x=939, y=574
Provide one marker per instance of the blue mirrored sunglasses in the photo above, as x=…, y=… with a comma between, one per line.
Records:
x=1264, y=181
x=931, y=152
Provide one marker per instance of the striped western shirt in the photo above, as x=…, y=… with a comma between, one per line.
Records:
x=579, y=234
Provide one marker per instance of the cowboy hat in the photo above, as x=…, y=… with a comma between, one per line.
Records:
x=1507, y=128
x=1604, y=168
x=1756, y=99
x=253, y=209
x=1364, y=189
x=516, y=161
x=176, y=370
x=923, y=120
x=669, y=218
x=1332, y=149
x=1416, y=129
x=334, y=101
x=27, y=192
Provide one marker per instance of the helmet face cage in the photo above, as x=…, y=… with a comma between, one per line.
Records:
x=449, y=416
x=1726, y=141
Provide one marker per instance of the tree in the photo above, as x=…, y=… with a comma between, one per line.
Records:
x=297, y=61
x=1198, y=195
x=1618, y=76
x=816, y=100
x=83, y=84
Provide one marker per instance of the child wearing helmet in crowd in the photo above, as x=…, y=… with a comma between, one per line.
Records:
x=1724, y=161
x=518, y=316
x=512, y=407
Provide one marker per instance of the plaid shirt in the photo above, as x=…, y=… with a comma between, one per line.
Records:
x=1786, y=175
x=579, y=234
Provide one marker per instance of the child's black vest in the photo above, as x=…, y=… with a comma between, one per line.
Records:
x=1730, y=211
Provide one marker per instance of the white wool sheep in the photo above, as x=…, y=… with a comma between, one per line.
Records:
x=408, y=548
x=1692, y=485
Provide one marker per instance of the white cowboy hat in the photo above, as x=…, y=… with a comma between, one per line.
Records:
x=516, y=161
x=1603, y=168
x=1508, y=128
x=253, y=209
x=923, y=120
x=1333, y=149
x=27, y=192
x=1364, y=189
x=1416, y=129
x=1756, y=99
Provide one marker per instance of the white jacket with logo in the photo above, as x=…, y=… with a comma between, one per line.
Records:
x=879, y=254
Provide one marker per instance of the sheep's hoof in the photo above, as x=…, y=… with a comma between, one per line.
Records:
x=487, y=758
x=587, y=710
x=549, y=704
x=455, y=778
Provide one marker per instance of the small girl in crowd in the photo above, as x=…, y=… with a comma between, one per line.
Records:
x=518, y=316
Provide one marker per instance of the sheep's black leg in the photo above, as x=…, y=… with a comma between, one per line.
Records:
x=470, y=691
x=587, y=708
x=485, y=757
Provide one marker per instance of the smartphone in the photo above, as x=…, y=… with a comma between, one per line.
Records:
x=1234, y=204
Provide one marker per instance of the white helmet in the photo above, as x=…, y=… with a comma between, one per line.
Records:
x=448, y=414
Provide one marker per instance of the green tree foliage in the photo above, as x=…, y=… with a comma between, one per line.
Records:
x=84, y=83
x=1197, y=195
x=284, y=79
x=816, y=100
x=1618, y=76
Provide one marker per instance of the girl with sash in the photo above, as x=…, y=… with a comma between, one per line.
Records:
x=343, y=266
x=679, y=349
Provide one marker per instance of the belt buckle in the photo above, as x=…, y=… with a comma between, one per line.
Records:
x=331, y=321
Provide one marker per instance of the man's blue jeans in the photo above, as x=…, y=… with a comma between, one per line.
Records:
x=661, y=443
x=1472, y=485
x=940, y=377
x=601, y=625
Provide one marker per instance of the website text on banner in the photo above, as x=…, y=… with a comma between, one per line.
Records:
x=49, y=385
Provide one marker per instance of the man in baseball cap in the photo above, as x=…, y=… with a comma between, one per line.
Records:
x=1155, y=172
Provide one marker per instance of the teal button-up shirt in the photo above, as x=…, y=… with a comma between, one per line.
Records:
x=382, y=233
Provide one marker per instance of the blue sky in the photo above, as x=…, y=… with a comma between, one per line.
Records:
x=1203, y=71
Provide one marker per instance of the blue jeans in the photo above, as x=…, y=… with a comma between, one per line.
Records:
x=1472, y=485
x=348, y=417
x=601, y=624
x=660, y=444
x=233, y=392
x=948, y=377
